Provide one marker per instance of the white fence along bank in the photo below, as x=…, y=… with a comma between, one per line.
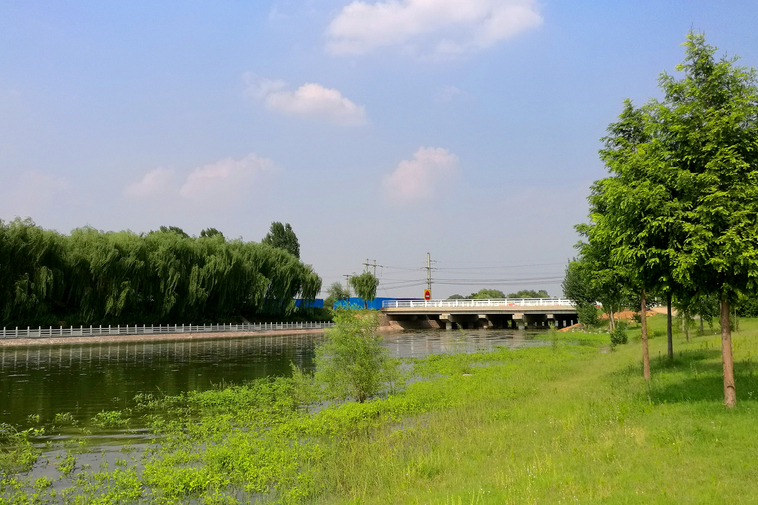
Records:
x=165, y=329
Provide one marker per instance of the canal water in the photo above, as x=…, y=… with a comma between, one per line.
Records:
x=83, y=380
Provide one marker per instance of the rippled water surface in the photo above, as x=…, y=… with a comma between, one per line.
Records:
x=86, y=379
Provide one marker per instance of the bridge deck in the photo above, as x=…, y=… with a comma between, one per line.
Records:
x=492, y=306
x=539, y=312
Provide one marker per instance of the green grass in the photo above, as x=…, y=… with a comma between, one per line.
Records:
x=569, y=423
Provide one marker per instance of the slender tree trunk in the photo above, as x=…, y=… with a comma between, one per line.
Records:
x=730, y=393
x=702, y=331
x=669, y=332
x=611, y=321
x=645, y=353
x=686, y=324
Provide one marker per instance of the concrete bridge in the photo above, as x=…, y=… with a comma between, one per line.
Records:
x=514, y=313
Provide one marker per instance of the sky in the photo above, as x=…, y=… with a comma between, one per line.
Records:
x=380, y=130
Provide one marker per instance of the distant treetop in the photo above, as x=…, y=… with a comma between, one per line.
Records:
x=281, y=236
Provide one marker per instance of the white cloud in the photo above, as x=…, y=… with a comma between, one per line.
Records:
x=443, y=27
x=226, y=179
x=416, y=179
x=152, y=183
x=309, y=100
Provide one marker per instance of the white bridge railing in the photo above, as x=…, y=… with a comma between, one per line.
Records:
x=165, y=329
x=502, y=302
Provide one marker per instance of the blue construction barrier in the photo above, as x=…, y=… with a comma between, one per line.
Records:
x=358, y=303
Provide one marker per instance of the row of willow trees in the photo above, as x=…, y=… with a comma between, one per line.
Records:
x=95, y=277
x=678, y=215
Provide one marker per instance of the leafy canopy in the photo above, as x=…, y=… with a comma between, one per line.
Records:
x=282, y=237
x=365, y=286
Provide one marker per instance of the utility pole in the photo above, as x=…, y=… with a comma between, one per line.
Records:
x=347, y=284
x=428, y=272
x=368, y=265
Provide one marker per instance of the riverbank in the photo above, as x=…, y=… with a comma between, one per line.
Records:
x=170, y=337
x=564, y=423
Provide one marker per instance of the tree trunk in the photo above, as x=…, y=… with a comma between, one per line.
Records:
x=669, y=332
x=686, y=324
x=645, y=353
x=730, y=393
x=611, y=321
x=702, y=331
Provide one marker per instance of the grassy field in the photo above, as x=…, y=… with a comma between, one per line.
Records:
x=569, y=423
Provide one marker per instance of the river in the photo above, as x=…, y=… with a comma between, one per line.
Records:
x=83, y=380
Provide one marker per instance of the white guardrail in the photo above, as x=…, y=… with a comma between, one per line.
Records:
x=502, y=302
x=165, y=329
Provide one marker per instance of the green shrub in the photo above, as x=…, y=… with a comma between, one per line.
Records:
x=587, y=315
x=618, y=336
x=352, y=362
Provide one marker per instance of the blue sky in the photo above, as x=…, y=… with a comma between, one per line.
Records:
x=381, y=130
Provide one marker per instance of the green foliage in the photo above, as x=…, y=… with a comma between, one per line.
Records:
x=618, y=336
x=67, y=464
x=282, y=237
x=748, y=307
x=528, y=293
x=587, y=314
x=109, y=419
x=211, y=232
x=94, y=277
x=484, y=294
x=352, y=363
x=365, y=286
x=335, y=292
x=710, y=122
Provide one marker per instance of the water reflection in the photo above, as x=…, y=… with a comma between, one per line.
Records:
x=86, y=379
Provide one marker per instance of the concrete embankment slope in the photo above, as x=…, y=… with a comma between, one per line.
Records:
x=25, y=342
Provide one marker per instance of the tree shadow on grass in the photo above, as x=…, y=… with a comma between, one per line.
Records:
x=704, y=387
x=696, y=375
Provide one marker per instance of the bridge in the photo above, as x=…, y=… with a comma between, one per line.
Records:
x=514, y=313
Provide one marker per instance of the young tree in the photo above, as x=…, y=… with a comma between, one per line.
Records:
x=336, y=292
x=365, y=286
x=352, y=363
x=633, y=213
x=709, y=133
x=281, y=236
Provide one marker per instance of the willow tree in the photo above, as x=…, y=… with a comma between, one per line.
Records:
x=709, y=132
x=365, y=286
x=95, y=277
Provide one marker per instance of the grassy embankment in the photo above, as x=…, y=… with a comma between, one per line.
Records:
x=566, y=423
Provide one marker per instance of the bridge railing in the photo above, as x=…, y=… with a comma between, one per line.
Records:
x=502, y=302
x=164, y=329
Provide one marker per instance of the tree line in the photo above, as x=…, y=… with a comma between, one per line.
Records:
x=165, y=276
x=485, y=293
x=677, y=217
